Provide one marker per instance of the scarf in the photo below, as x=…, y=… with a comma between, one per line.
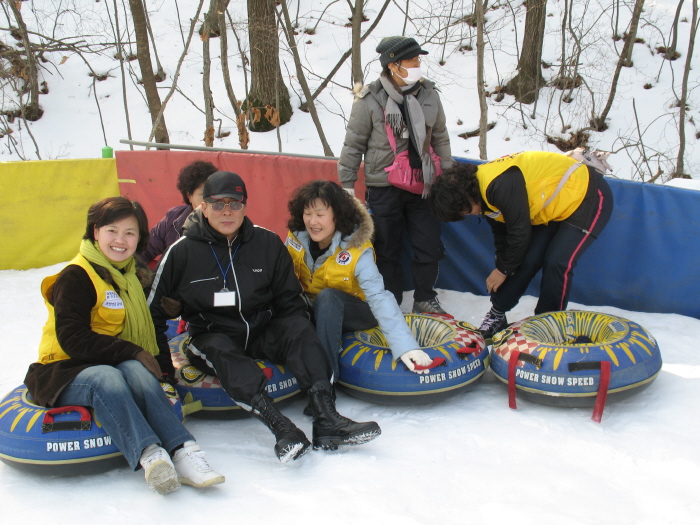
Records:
x=138, y=324
x=419, y=134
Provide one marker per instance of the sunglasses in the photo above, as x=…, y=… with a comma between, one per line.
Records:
x=220, y=205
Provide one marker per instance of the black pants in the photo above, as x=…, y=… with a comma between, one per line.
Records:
x=291, y=341
x=556, y=248
x=393, y=210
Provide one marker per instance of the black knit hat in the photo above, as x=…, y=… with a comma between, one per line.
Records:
x=223, y=184
x=396, y=48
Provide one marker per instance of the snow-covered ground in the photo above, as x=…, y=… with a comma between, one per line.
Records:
x=644, y=111
x=470, y=459
x=467, y=460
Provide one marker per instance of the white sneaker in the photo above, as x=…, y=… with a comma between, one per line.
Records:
x=160, y=471
x=193, y=469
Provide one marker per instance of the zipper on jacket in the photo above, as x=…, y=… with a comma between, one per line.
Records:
x=240, y=298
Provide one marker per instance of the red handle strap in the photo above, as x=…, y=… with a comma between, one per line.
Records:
x=436, y=362
x=602, y=391
x=84, y=413
x=49, y=425
x=469, y=349
x=514, y=357
x=603, y=384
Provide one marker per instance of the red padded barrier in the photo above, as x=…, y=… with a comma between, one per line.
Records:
x=149, y=177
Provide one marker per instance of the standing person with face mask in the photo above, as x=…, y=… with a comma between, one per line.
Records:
x=400, y=112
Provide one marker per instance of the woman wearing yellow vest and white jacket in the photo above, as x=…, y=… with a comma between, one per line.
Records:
x=330, y=241
x=98, y=348
x=545, y=210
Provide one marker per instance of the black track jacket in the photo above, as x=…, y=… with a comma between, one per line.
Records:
x=262, y=277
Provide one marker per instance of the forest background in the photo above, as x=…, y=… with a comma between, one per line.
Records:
x=77, y=75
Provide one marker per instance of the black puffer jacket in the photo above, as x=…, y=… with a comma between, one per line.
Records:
x=263, y=279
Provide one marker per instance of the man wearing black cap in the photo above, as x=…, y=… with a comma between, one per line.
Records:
x=400, y=114
x=243, y=301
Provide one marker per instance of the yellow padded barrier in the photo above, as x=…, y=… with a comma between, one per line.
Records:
x=44, y=208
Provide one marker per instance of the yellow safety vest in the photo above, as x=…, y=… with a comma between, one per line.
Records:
x=337, y=271
x=106, y=317
x=542, y=171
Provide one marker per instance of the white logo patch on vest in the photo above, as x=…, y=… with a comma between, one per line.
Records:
x=113, y=301
x=294, y=244
x=343, y=258
x=493, y=214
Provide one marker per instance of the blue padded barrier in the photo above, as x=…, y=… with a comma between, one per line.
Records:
x=646, y=260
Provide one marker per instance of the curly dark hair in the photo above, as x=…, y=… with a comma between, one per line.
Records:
x=114, y=209
x=333, y=196
x=453, y=192
x=193, y=176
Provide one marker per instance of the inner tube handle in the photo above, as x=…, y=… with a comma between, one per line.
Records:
x=436, y=362
x=469, y=349
x=84, y=423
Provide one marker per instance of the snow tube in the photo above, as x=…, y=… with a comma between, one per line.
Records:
x=575, y=359
x=368, y=371
x=196, y=386
x=59, y=441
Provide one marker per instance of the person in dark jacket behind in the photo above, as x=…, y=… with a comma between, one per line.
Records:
x=243, y=301
x=98, y=348
x=407, y=106
x=190, y=183
x=545, y=210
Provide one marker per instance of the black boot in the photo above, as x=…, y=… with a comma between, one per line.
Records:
x=308, y=409
x=291, y=442
x=330, y=428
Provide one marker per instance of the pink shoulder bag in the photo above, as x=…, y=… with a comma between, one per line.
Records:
x=400, y=172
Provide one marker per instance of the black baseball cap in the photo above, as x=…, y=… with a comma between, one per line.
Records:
x=223, y=184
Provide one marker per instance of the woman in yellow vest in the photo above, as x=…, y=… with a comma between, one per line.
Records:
x=545, y=209
x=330, y=243
x=98, y=348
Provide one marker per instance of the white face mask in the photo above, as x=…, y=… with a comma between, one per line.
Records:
x=414, y=75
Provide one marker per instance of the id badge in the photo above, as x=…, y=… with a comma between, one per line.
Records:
x=225, y=298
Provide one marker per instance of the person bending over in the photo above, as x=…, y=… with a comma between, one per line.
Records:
x=545, y=209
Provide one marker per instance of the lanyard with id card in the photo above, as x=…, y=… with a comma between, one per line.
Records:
x=225, y=297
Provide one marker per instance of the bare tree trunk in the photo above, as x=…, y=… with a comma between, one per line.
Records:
x=206, y=87
x=216, y=24
x=684, y=92
x=525, y=86
x=626, y=54
x=598, y=123
x=160, y=74
x=357, y=76
x=484, y=110
x=671, y=50
x=147, y=76
x=329, y=77
x=265, y=65
x=122, y=58
x=289, y=33
x=176, y=76
x=31, y=111
x=224, y=65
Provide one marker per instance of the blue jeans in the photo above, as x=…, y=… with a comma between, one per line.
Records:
x=336, y=312
x=131, y=406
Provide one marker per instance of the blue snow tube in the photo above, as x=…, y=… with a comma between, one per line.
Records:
x=575, y=359
x=368, y=371
x=195, y=385
x=58, y=441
